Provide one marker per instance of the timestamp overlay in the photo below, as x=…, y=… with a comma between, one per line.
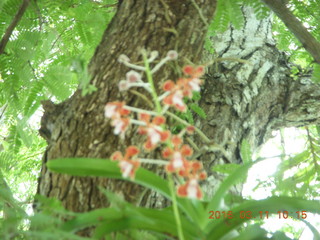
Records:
x=263, y=214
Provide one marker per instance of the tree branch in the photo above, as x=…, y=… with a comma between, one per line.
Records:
x=13, y=24
x=296, y=27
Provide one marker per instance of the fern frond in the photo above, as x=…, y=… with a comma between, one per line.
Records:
x=198, y=110
x=33, y=98
x=6, y=160
x=259, y=8
x=222, y=17
x=235, y=13
x=56, y=81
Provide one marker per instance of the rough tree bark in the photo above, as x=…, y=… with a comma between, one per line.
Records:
x=249, y=101
x=242, y=101
x=78, y=128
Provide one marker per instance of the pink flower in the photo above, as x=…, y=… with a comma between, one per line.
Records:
x=193, y=172
x=190, y=189
x=117, y=113
x=115, y=110
x=153, y=130
x=183, y=88
x=193, y=83
x=194, y=72
x=120, y=125
x=175, y=98
x=127, y=163
x=177, y=155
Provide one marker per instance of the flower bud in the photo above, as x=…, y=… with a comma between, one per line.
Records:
x=123, y=58
x=133, y=76
x=154, y=54
x=172, y=54
x=123, y=85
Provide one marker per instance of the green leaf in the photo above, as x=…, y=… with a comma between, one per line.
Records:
x=92, y=218
x=294, y=161
x=252, y=232
x=236, y=15
x=239, y=175
x=112, y=226
x=198, y=110
x=116, y=200
x=33, y=97
x=23, y=133
x=110, y=169
x=316, y=234
x=245, y=151
x=226, y=168
x=196, y=96
x=260, y=9
x=56, y=81
x=106, y=168
x=188, y=116
x=111, y=220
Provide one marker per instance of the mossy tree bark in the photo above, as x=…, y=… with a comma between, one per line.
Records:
x=250, y=100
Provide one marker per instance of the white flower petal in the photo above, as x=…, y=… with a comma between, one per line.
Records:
x=123, y=85
x=126, y=168
x=192, y=188
x=109, y=110
x=194, y=85
x=177, y=99
x=154, y=136
x=177, y=160
x=118, y=125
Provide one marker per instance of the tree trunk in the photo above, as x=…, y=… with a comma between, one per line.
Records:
x=250, y=100
x=78, y=128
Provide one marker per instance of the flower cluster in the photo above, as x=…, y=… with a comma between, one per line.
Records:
x=153, y=130
x=183, y=88
x=119, y=117
x=153, y=124
x=127, y=163
x=190, y=170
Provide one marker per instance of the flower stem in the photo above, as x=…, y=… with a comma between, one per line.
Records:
x=156, y=100
x=175, y=207
x=150, y=80
x=153, y=161
x=139, y=110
